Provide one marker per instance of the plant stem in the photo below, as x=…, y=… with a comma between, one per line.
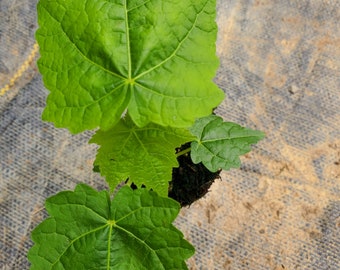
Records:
x=183, y=152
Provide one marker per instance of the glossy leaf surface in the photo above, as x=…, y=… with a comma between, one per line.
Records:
x=219, y=144
x=86, y=230
x=144, y=155
x=155, y=58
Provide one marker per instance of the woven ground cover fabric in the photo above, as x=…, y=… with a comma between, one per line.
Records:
x=280, y=70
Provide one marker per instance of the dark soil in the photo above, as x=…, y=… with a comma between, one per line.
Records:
x=190, y=181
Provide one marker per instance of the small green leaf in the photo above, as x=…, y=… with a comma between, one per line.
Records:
x=219, y=144
x=155, y=58
x=86, y=230
x=144, y=155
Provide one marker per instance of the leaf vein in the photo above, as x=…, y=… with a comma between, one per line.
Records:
x=80, y=52
x=176, y=49
x=141, y=241
x=142, y=4
x=127, y=31
x=74, y=240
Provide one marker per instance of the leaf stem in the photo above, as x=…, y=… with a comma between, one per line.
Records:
x=183, y=152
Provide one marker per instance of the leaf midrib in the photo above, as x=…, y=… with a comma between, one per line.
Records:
x=110, y=235
x=142, y=242
x=227, y=139
x=176, y=49
x=128, y=48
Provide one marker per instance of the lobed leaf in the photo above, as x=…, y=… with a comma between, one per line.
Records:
x=144, y=155
x=155, y=58
x=219, y=144
x=86, y=230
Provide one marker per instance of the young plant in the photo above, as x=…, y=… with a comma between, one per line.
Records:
x=140, y=72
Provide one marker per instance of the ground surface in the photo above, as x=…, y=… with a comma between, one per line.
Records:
x=280, y=69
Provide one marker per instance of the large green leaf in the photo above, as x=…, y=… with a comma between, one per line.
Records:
x=144, y=155
x=155, y=58
x=219, y=144
x=86, y=230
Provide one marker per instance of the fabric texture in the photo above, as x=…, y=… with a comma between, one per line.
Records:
x=280, y=70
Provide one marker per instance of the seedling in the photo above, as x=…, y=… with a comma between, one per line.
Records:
x=140, y=72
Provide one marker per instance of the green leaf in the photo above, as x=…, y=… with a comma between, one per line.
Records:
x=155, y=58
x=86, y=230
x=144, y=155
x=219, y=144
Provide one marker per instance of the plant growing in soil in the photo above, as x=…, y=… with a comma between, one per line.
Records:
x=140, y=72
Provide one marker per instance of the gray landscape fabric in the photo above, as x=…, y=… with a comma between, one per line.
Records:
x=280, y=70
